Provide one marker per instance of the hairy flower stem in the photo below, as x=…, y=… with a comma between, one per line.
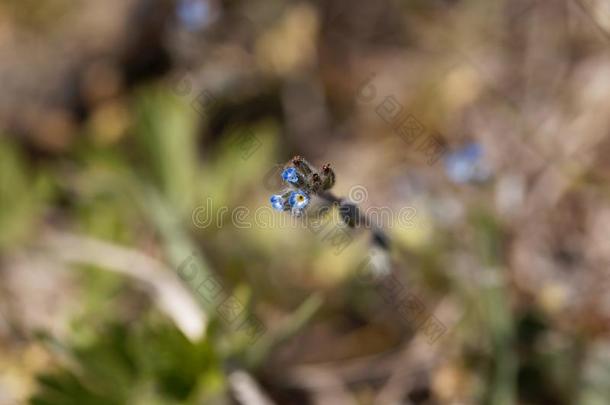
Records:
x=351, y=215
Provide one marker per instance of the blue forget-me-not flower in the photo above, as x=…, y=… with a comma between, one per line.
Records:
x=466, y=164
x=303, y=182
x=298, y=201
x=196, y=14
x=277, y=202
x=290, y=175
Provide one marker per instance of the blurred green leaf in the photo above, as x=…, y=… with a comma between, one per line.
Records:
x=22, y=195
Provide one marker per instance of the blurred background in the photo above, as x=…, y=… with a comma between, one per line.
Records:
x=140, y=262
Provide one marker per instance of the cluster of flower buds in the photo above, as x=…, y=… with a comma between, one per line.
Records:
x=303, y=182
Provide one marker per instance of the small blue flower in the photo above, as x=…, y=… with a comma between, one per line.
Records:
x=196, y=14
x=290, y=175
x=277, y=202
x=466, y=164
x=298, y=201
